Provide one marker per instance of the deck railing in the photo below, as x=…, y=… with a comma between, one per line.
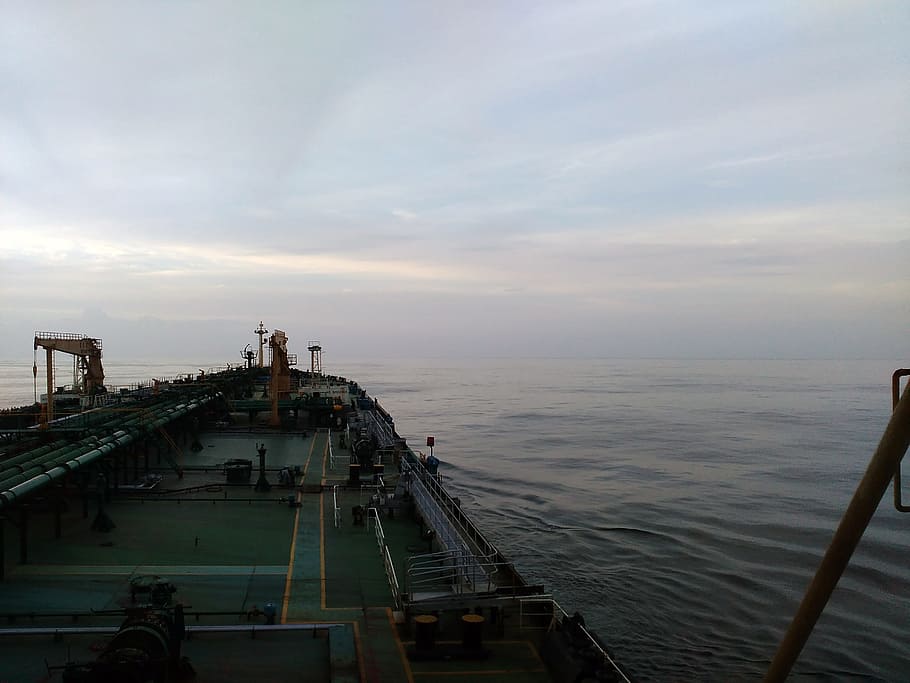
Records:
x=384, y=432
x=452, y=528
x=393, y=578
x=456, y=572
x=336, y=507
x=373, y=516
x=545, y=619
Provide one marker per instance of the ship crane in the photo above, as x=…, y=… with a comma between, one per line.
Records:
x=87, y=351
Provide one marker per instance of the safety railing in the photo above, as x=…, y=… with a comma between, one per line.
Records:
x=550, y=613
x=437, y=504
x=373, y=518
x=336, y=507
x=459, y=572
x=331, y=452
x=383, y=431
x=373, y=515
x=393, y=578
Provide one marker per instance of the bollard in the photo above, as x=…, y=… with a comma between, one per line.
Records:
x=425, y=632
x=472, y=631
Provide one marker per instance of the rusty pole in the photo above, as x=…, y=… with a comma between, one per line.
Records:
x=868, y=494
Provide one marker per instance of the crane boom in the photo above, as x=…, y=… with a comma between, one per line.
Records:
x=86, y=349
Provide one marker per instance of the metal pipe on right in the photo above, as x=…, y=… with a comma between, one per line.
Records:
x=887, y=458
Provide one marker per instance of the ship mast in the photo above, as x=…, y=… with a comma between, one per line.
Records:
x=261, y=332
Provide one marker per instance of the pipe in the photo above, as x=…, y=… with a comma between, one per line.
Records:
x=37, y=477
x=887, y=458
x=236, y=628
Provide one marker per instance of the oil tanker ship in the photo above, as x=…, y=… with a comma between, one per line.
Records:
x=252, y=523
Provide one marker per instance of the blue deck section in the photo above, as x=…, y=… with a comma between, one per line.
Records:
x=303, y=593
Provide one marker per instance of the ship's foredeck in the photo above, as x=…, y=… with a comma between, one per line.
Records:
x=234, y=554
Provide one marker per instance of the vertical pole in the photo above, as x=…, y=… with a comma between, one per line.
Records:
x=50, y=384
x=888, y=455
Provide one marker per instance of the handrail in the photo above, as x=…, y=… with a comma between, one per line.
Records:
x=393, y=578
x=373, y=513
x=592, y=641
x=459, y=568
x=331, y=452
x=337, y=509
x=868, y=495
x=454, y=531
x=449, y=507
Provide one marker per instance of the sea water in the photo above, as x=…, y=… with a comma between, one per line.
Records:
x=681, y=506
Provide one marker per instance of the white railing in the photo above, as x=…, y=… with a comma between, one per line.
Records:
x=331, y=452
x=336, y=507
x=430, y=489
x=460, y=571
x=453, y=530
x=373, y=514
x=383, y=431
x=393, y=578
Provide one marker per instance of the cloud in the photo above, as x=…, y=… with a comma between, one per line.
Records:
x=573, y=158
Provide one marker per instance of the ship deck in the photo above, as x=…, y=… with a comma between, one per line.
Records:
x=231, y=551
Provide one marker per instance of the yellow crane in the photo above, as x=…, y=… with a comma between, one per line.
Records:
x=88, y=353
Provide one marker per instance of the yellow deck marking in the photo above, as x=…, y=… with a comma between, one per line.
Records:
x=401, y=653
x=535, y=652
x=287, y=581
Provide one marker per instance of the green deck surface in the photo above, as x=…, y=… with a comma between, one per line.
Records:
x=230, y=549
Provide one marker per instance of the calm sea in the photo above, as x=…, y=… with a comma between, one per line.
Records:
x=681, y=506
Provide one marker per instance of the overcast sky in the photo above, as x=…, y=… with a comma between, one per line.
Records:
x=708, y=179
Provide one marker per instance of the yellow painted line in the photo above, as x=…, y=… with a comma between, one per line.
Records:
x=401, y=653
x=287, y=581
x=535, y=652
